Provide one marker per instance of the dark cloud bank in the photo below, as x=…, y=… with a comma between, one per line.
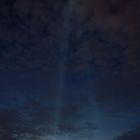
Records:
x=130, y=135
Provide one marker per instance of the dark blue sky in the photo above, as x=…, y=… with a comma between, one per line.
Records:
x=69, y=70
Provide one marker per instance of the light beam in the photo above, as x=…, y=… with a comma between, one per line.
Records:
x=62, y=65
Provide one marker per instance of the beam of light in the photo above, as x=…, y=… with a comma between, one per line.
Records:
x=62, y=65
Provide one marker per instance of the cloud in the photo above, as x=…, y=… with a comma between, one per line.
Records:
x=33, y=96
x=118, y=48
x=114, y=14
x=130, y=135
x=25, y=33
x=32, y=37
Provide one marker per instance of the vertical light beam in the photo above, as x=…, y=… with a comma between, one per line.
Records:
x=62, y=65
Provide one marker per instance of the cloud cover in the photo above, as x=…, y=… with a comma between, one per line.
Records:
x=102, y=62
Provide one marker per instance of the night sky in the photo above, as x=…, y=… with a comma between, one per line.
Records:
x=69, y=70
